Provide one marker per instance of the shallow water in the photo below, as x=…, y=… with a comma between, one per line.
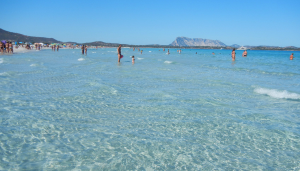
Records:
x=63, y=110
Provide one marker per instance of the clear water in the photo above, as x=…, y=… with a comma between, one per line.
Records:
x=67, y=111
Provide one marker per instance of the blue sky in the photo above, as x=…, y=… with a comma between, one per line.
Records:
x=255, y=22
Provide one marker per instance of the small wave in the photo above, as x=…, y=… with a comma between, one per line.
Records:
x=1, y=60
x=140, y=58
x=149, y=51
x=278, y=94
x=3, y=74
x=33, y=65
x=93, y=52
x=168, y=62
x=81, y=59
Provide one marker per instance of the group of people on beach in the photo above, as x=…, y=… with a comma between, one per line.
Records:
x=6, y=47
x=38, y=46
x=53, y=47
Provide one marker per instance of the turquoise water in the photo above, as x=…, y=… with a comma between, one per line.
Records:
x=67, y=111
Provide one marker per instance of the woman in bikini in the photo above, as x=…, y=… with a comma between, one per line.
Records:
x=233, y=54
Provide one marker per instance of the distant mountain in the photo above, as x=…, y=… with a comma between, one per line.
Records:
x=16, y=37
x=100, y=43
x=185, y=41
x=235, y=46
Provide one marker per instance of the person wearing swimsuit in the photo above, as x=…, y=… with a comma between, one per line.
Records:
x=12, y=48
x=119, y=53
x=82, y=49
x=1, y=47
x=233, y=54
x=292, y=56
x=245, y=53
x=7, y=47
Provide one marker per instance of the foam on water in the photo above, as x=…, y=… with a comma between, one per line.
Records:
x=140, y=58
x=278, y=94
x=81, y=59
x=1, y=60
x=33, y=65
x=3, y=74
x=168, y=62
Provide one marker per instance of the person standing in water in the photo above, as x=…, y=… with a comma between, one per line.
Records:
x=82, y=49
x=2, y=47
x=292, y=56
x=168, y=52
x=10, y=47
x=6, y=47
x=233, y=54
x=57, y=48
x=85, y=49
x=133, y=59
x=119, y=53
x=245, y=53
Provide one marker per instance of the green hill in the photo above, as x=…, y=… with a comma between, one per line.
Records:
x=16, y=37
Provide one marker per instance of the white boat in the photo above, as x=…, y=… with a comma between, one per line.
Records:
x=241, y=48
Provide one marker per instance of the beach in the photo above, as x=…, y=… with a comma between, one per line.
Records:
x=68, y=111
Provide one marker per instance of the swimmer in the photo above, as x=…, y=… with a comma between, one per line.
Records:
x=233, y=54
x=133, y=59
x=141, y=51
x=292, y=56
x=213, y=53
x=119, y=53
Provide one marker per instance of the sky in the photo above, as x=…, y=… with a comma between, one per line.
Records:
x=142, y=22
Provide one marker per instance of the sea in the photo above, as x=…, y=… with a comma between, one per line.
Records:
x=190, y=111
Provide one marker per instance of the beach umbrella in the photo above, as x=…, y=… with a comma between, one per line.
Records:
x=3, y=41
